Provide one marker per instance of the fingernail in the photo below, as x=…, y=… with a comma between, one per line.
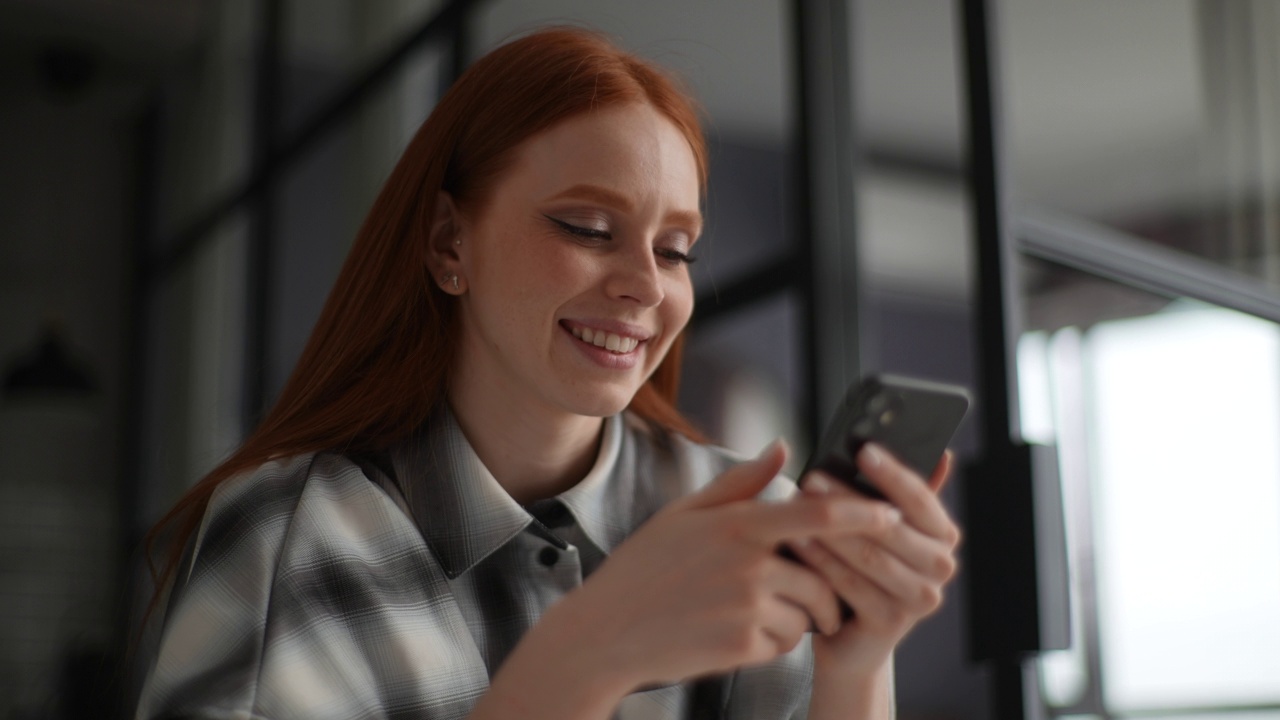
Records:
x=771, y=448
x=871, y=454
x=817, y=484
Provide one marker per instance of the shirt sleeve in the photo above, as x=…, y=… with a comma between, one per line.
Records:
x=311, y=595
x=778, y=689
x=210, y=649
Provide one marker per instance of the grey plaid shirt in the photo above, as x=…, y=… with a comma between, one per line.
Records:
x=329, y=587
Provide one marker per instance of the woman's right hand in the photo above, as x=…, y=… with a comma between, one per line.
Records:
x=700, y=589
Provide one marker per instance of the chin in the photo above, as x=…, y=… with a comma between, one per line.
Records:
x=603, y=403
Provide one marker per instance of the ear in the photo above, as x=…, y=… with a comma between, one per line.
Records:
x=445, y=251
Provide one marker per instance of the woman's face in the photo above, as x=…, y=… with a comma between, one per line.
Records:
x=576, y=271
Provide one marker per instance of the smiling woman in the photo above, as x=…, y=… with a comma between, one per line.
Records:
x=574, y=284
x=475, y=498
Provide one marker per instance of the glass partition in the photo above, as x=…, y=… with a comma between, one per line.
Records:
x=328, y=44
x=324, y=196
x=1166, y=414
x=1160, y=118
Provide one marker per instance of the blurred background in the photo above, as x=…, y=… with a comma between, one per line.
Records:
x=1091, y=242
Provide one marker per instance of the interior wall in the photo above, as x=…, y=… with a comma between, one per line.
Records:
x=65, y=199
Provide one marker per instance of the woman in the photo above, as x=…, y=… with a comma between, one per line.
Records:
x=483, y=418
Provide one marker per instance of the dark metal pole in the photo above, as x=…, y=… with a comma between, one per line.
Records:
x=1005, y=505
x=825, y=221
x=998, y=297
x=131, y=578
x=261, y=251
x=459, y=56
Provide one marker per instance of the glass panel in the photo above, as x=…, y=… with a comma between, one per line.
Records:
x=1157, y=117
x=1221, y=715
x=1186, y=412
x=324, y=197
x=329, y=43
x=195, y=360
x=206, y=134
x=741, y=391
x=1166, y=415
x=1049, y=385
x=734, y=58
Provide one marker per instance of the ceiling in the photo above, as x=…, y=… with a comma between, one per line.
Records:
x=1103, y=100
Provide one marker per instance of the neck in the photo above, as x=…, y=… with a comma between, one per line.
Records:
x=533, y=453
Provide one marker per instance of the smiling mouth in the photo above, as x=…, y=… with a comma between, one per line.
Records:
x=618, y=344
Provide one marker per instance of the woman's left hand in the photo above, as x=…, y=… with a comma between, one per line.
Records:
x=892, y=579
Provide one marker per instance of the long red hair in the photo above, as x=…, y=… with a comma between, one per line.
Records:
x=378, y=359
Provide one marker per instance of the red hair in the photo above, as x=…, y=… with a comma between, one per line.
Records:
x=378, y=359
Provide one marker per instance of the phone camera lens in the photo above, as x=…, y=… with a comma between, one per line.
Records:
x=877, y=403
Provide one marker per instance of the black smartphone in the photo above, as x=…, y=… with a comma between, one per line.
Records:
x=911, y=418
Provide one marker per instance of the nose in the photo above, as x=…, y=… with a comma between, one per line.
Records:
x=635, y=276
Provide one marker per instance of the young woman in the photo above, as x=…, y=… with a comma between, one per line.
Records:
x=474, y=497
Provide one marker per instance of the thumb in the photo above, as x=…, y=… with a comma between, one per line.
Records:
x=741, y=482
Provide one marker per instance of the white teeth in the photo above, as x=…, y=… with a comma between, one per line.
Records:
x=606, y=340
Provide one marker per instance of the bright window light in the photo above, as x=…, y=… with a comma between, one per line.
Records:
x=1184, y=410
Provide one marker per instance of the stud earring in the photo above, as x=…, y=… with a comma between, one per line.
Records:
x=455, y=283
x=447, y=277
x=457, y=241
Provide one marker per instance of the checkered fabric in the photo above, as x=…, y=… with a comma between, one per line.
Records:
x=325, y=586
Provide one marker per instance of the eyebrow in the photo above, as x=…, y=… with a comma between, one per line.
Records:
x=605, y=196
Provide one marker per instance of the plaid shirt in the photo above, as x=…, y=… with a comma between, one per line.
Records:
x=324, y=586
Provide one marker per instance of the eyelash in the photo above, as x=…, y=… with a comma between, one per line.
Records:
x=593, y=234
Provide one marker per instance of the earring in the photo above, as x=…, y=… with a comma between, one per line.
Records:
x=455, y=283
x=457, y=241
x=450, y=276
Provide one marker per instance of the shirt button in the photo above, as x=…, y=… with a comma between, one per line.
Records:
x=548, y=556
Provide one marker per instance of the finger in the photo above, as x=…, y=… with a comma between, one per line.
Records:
x=872, y=603
x=805, y=589
x=907, y=490
x=920, y=594
x=804, y=515
x=922, y=553
x=942, y=473
x=926, y=555
x=740, y=482
x=784, y=624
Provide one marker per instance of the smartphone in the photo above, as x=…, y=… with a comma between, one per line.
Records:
x=913, y=419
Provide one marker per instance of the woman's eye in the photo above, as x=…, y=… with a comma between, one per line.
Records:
x=675, y=256
x=580, y=231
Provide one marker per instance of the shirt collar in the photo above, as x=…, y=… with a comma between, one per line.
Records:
x=465, y=515
x=602, y=503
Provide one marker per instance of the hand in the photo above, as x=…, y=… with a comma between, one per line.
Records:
x=699, y=588
x=892, y=576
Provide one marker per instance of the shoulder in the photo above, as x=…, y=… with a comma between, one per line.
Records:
x=688, y=465
x=294, y=511
x=268, y=500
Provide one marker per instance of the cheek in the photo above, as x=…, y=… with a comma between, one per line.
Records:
x=679, y=300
